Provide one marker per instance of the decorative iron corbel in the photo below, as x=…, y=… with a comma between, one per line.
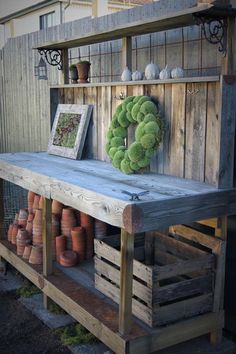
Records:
x=214, y=30
x=52, y=56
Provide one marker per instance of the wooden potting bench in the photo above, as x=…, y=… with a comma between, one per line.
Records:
x=190, y=181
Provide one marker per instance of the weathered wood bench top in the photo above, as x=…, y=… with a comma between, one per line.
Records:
x=95, y=187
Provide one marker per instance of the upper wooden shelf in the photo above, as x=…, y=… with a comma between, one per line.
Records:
x=174, y=19
x=142, y=82
x=95, y=187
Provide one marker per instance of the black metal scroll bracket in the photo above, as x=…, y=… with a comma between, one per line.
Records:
x=214, y=31
x=52, y=56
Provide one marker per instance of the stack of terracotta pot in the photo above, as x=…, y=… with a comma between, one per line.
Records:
x=72, y=232
x=22, y=239
x=68, y=220
x=87, y=222
x=37, y=227
x=79, y=242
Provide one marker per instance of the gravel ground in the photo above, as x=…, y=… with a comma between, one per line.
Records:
x=23, y=333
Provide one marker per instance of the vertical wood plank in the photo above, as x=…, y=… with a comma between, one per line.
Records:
x=220, y=254
x=64, y=73
x=157, y=92
x=91, y=142
x=2, y=236
x=126, y=282
x=105, y=118
x=227, y=129
x=212, y=135
x=177, y=130
x=127, y=52
x=47, y=237
x=195, y=131
x=227, y=60
x=168, y=122
x=69, y=95
x=54, y=101
x=79, y=95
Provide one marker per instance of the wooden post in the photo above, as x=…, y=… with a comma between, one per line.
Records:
x=127, y=52
x=220, y=254
x=47, y=243
x=1, y=211
x=126, y=282
x=227, y=61
x=64, y=75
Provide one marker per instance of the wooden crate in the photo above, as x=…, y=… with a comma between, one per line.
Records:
x=184, y=281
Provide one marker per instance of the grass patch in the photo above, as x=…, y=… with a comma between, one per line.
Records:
x=76, y=334
x=27, y=290
x=54, y=308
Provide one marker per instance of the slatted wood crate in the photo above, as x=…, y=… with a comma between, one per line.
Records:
x=184, y=281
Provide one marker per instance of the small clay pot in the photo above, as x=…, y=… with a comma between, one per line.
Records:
x=30, y=198
x=68, y=258
x=36, y=255
x=9, y=232
x=22, y=239
x=23, y=214
x=38, y=217
x=57, y=207
x=83, y=71
x=14, y=232
x=29, y=227
x=36, y=202
x=79, y=242
x=60, y=245
x=87, y=222
x=27, y=251
x=41, y=201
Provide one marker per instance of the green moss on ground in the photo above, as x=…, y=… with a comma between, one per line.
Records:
x=27, y=290
x=75, y=334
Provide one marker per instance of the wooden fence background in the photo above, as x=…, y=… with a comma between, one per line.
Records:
x=25, y=101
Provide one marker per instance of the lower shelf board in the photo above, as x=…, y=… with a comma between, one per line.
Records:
x=100, y=317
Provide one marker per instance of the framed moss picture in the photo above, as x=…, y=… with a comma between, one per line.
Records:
x=69, y=130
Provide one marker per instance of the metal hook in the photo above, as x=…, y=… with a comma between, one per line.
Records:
x=135, y=196
x=121, y=96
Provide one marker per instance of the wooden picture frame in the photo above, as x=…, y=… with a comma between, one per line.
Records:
x=69, y=130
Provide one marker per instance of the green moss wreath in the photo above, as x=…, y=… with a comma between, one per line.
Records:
x=148, y=134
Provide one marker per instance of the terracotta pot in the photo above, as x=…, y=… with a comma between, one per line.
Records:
x=29, y=227
x=68, y=258
x=36, y=202
x=83, y=71
x=36, y=255
x=60, y=245
x=22, y=222
x=27, y=251
x=30, y=217
x=37, y=240
x=68, y=220
x=14, y=232
x=87, y=222
x=22, y=239
x=77, y=215
x=57, y=207
x=79, y=242
x=73, y=74
x=30, y=198
x=38, y=218
x=100, y=229
x=23, y=214
x=9, y=232
x=55, y=225
x=16, y=219
x=41, y=201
